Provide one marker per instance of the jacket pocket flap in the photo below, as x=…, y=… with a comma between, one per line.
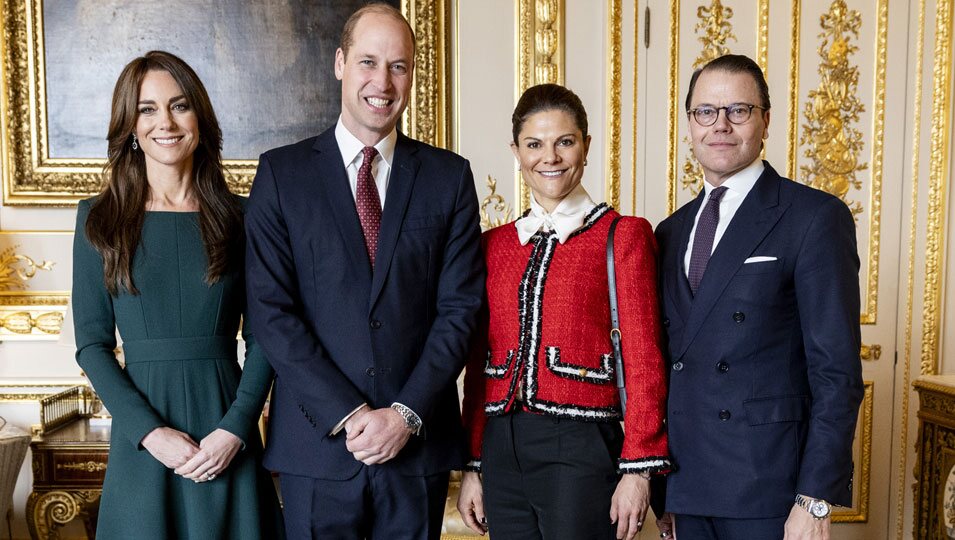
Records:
x=776, y=409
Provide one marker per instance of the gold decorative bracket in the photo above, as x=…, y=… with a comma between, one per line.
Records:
x=17, y=269
x=870, y=352
x=497, y=203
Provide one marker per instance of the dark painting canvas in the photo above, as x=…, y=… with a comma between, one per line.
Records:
x=267, y=64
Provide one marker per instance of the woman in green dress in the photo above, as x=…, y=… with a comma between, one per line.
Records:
x=158, y=255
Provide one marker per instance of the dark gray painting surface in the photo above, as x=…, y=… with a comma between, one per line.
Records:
x=267, y=64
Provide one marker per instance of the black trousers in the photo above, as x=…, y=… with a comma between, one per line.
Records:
x=548, y=478
x=709, y=528
x=377, y=504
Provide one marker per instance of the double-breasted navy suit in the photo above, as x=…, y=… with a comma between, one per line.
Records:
x=339, y=333
x=765, y=377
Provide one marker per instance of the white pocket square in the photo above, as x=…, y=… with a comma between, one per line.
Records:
x=758, y=260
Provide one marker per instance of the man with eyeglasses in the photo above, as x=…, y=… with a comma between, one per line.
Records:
x=760, y=291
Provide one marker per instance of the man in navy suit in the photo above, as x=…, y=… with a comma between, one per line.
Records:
x=364, y=279
x=761, y=306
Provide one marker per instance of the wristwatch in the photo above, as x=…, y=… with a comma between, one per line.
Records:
x=817, y=508
x=412, y=420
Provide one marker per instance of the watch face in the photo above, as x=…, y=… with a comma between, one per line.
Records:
x=819, y=509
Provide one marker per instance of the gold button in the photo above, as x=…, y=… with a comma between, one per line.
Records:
x=583, y=372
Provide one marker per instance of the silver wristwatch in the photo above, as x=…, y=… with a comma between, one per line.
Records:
x=412, y=420
x=817, y=508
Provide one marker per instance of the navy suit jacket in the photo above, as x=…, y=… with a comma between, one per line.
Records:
x=339, y=334
x=765, y=376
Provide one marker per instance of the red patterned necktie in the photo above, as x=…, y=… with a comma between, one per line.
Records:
x=368, y=202
x=703, y=239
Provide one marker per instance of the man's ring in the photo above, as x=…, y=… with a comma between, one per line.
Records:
x=639, y=524
x=211, y=477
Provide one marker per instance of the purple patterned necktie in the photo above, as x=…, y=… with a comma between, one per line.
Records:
x=703, y=239
x=368, y=202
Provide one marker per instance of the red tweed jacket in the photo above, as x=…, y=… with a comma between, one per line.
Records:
x=546, y=334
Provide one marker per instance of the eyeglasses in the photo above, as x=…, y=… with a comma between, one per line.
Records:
x=737, y=113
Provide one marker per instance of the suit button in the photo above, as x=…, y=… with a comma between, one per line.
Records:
x=370, y=372
x=739, y=316
x=724, y=415
x=375, y=324
x=666, y=322
x=722, y=367
x=678, y=366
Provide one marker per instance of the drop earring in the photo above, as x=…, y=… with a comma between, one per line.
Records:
x=135, y=143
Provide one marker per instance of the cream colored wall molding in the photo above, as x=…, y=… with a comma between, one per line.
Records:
x=906, y=370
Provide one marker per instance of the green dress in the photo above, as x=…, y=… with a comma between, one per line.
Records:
x=179, y=343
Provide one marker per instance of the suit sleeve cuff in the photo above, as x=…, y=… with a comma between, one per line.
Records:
x=341, y=425
x=473, y=466
x=651, y=465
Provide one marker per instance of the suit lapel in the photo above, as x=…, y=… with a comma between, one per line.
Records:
x=329, y=169
x=400, y=184
x=758, y=214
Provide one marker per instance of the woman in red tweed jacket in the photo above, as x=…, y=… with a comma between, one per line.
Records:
x=540, y=404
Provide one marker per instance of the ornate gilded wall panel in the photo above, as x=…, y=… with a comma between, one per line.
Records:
x=35, y=275
x=32, y=176
x=713, y=24
x=831, y=112
x=715, y=30
x=539, y=58
x=614, y=87
x=939, y=156
x=832, y=141
x=715, y=19
x=795, y=24
x=428, y=117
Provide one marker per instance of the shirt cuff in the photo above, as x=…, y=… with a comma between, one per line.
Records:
x=341, y=425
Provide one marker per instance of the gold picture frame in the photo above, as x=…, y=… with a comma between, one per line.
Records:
x=32, y=177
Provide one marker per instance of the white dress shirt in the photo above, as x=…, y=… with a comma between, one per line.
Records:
x=738, y=186
x=350, y=148
x=566, y=218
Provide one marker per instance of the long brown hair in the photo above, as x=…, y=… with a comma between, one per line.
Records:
x=115, y=221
